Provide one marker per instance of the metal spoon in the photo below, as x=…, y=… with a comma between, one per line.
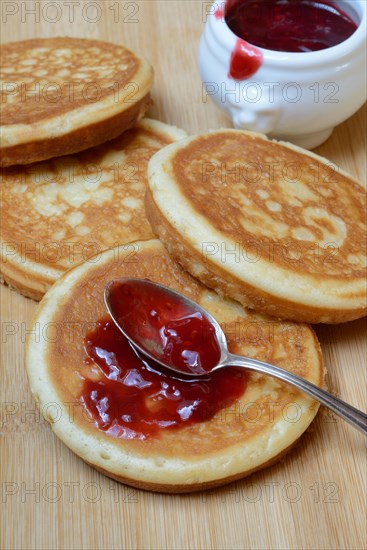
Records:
x=357, y=418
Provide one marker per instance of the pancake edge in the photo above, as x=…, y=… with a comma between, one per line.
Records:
x=229, y=286
x=78, y=139
x=226, y=282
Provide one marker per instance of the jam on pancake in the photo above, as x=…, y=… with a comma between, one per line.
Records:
x=133, y=399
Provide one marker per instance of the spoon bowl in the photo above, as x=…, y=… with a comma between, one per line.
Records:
x=181, y=336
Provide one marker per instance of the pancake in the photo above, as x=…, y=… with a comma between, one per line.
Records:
x=248, y=433
x=66, y=210
x=265, y=223
x=63, y=95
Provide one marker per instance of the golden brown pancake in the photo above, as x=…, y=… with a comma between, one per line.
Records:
x=65, y=210
x=63, y=95
x=265, y=223
x=247, y=434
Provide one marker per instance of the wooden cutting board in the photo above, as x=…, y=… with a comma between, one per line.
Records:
x=50, y=498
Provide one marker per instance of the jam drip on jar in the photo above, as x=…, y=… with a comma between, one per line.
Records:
x=245, y=60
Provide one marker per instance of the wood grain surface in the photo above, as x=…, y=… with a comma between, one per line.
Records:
x=314, y=499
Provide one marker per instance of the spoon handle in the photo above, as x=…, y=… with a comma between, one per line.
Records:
x=357, y=418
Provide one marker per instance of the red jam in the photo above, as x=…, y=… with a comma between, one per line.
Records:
x=245, y=60
x=176, y=334
x=218, y=13
x=290, y=25
x=132, y=398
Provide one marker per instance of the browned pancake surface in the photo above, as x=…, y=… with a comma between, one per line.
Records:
x=63, y=74
x=276, y=204
x=63, y=95
x=273, y=226
x=66, y=210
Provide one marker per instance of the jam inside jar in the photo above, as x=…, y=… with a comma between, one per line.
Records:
x=290, y=25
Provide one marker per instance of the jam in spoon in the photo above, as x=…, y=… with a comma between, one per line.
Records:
x=183, y=337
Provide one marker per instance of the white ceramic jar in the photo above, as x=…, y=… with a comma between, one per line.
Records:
x=296, y=97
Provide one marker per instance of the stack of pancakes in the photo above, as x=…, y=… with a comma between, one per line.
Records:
x=264, y=235
x=74, y=151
